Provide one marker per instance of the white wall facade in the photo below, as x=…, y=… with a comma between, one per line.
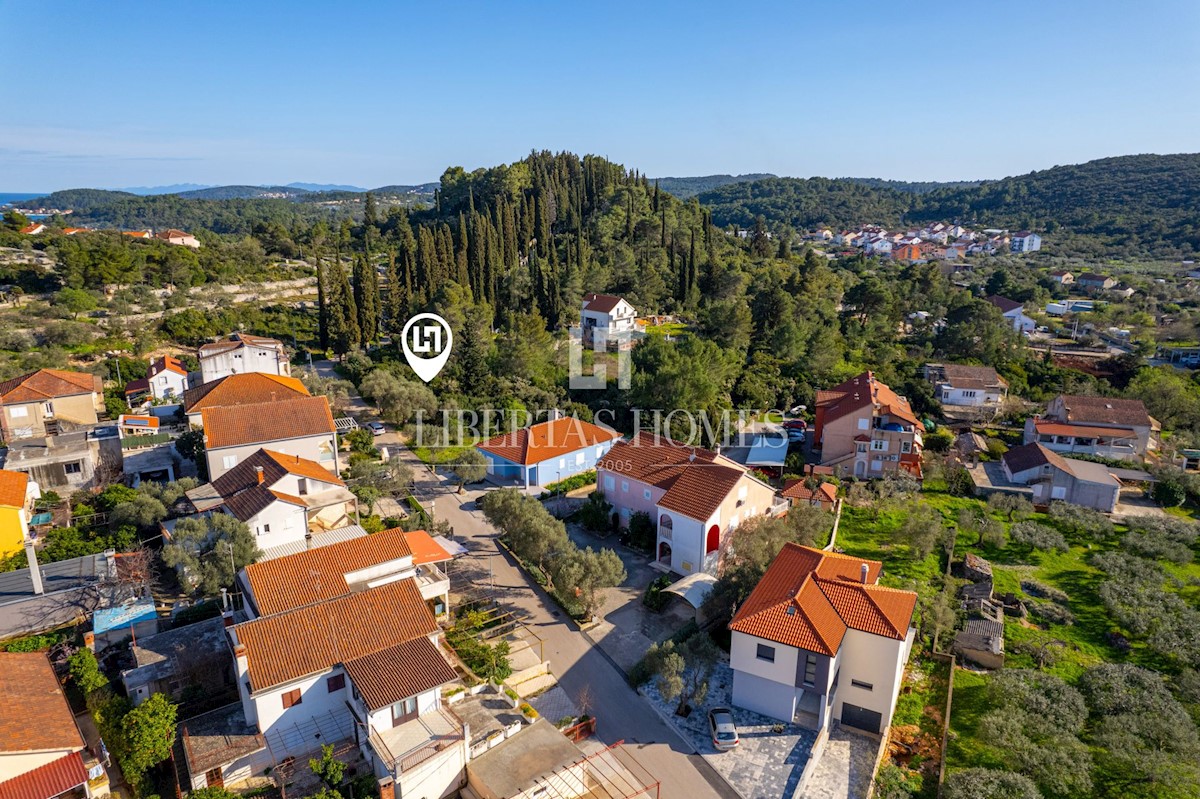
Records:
x=321, y=448
x=243, y=360
x=872, y=660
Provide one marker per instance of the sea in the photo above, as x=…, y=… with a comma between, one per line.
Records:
x=11, y=197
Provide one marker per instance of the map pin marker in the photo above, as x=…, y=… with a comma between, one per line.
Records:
x=426, y=338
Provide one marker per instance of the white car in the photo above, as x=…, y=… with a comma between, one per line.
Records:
x=376, y=428
x=724, y=731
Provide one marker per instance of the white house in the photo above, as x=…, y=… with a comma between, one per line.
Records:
x=179, y=237
x=242, y=353
x=1055, y=478
x=167, y=378
x=818, y=641
x=281, y=498
x=1107, y=426
x=956, y=384
x=340, y=642
x=1014, y=312
x=302, y=426
x=1025, y=241
x=694, y=496
x=608, y=316
x=1062, y=277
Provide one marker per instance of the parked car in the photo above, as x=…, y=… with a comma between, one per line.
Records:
x=724, y=731
x=376, y=428
x=795, y=424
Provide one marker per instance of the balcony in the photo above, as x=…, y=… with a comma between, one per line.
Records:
x=405, y=747
x=432, y=581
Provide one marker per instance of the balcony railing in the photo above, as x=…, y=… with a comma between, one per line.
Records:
x=412, y=743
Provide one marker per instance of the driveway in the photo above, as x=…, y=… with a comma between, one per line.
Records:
x=767, y=764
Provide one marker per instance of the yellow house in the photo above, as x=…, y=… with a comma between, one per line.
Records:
x=15, y=501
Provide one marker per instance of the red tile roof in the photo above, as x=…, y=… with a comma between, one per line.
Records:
x=391, y=675
x=47, y=384
x=52, y=779
x=547, y=440
x=600, y=303
x=1105, y=410
x=167, y=364
x=797, y=490
x=12, y=488
x=250, y=388
x=311, y=639
x=319, y=574
x=239, y=425
x=696, y=480
x=237, y=341
x=809, y=598
x=857, y=393
x=1004, y=303
x=1057, y=429
x=45, y=722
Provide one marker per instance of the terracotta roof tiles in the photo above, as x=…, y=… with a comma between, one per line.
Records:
x=52, y=779
x=391, y=675
x=809, y=598
x=1105, y=410
x=319, y=574
x=547, y=440
x=250, y=388
x=45, y=722
x=310, y=639
x=600, y=303
x=47, y=384
x=12, y=488
x=239, y=425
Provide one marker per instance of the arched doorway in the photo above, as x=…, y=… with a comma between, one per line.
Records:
x=860, y=468
x=664, y=553
x=666, y=526
x=713, y=541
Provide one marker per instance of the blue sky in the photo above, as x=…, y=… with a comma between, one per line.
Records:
x=128, y=94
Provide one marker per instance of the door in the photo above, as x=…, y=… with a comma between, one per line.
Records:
x=215, y=778
x=861, y=718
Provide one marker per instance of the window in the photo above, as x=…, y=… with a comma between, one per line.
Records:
x=266, y=529
x=906, y=446
x=624, y=486
x=866, y=686
x=229, y=461
x=291, y=698
x=862, y=447
x=864, y=423
x=879, y=445
x=645, y=493
x=766, y=653
x=810, y=670
x=578, y=458
x=49, y=408
x=599, y=452
x=18, y=412
x=608, y=483
x=73, y=468
x=968, y=394
x=336, y=683
x=403, y=711
x=562, y=462
x=301, y=486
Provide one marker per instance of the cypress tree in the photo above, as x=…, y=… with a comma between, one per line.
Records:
x=322, y=302
x=366, y=299
x=397, y=298
x=343, y=315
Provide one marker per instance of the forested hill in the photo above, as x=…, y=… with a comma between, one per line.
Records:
x=911, y=186
x=684, y=188
x=1130, y=205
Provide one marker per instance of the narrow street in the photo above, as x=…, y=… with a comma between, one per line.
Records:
x=621, y=714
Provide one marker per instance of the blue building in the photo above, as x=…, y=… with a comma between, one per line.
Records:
x=547, y=452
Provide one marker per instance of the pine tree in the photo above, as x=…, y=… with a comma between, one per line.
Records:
x=343, y=315
x=397, y=299
x=322, y=302
x=370, y=213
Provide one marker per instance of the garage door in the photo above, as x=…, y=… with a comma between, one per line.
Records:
x=860, y=717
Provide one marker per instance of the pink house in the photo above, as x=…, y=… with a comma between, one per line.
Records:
x=695, y=497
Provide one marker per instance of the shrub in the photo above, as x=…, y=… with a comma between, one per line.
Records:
x=959, y=482
x=1037, y=536
x=596, y=513
x=642, y=532
x=1044, y=591
x=939, y=440
x=656, y=598
x=1052, y=613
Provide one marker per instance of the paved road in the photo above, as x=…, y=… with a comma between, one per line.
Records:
x=621, y=714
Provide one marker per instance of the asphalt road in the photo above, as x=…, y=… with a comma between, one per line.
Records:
x=621, y=714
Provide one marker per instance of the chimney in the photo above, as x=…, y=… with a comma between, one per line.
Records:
x=35, y=570
x=865, y=570
x=258, y=472
x=387, y=788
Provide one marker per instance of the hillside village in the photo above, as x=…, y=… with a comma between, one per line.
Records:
x=947, y=476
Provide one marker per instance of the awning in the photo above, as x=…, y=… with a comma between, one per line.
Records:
x=693, y=588
x=453, y=547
